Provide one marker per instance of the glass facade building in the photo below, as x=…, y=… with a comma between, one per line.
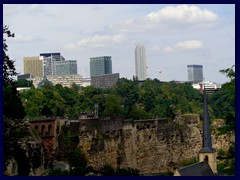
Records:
x=49, y=63
x=24, y=76
x=100, y=65
x=195, y=73
x=66, y=67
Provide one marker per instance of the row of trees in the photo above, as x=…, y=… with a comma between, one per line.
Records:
x=223, y=101
x=126, y=99
x=130, y=100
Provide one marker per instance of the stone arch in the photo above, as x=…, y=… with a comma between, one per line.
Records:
x=43, y=127
x=36, y=127
x=49, y=129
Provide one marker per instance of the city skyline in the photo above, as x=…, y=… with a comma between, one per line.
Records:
x=174, y=36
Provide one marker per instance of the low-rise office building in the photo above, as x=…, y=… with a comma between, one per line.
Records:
x=65, y=81
x=210, y=87
x=104, y=81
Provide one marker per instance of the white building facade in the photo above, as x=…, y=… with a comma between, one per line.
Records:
x=65, y=81
x=210, y=87
x=140, y=63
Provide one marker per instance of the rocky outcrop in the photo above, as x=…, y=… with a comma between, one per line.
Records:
x=152, y=146
x=11, y=168
x=28, y=160
x=25, y=151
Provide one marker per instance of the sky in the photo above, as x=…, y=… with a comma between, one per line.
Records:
x=174, y=35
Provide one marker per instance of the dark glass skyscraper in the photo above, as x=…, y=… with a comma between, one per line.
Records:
x=195, y=73
x=100, y=65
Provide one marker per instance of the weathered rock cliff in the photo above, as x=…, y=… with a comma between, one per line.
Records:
x=152, y=146
x=27, y=161
x=23, y=151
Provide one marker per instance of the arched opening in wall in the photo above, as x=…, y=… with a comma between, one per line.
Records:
x=49, y=130
x=43, y=130
x=36, y=129
x=206, y=158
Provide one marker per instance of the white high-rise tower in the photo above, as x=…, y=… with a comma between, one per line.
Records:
x=140, y=63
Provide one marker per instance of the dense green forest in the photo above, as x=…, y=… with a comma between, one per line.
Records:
x=126, y=99
x=129, y=100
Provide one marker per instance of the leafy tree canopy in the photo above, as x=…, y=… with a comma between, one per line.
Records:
x=9, y=70
x=223, y=101
x=12, y=106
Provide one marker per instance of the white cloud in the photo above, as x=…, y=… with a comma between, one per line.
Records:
x=193, y=44
x=25, y=38
x=168, y=17
x=183, y=13
x=96, y=41
x=184, y=46
x=168, y=49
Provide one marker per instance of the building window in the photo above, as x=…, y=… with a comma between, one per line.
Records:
x=206, y=158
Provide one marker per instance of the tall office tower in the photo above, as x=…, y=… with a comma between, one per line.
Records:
x=33, y=65
x=66, y=67
x=49, y=63
x=100, y=65
x=140, y=63
x=195, y=73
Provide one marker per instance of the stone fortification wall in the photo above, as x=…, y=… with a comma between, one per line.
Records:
x=152, y=146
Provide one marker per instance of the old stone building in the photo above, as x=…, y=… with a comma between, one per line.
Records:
x=47, y=130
